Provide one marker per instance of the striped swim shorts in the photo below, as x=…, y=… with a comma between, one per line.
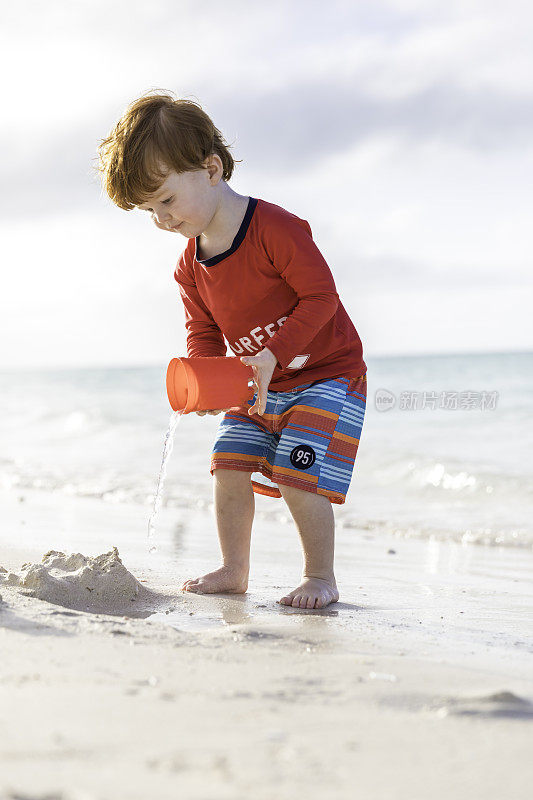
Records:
x=307, y=438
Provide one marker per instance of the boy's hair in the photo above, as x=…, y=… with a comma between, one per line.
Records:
x=157, y=131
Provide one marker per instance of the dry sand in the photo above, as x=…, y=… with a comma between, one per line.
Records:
x=114, y=684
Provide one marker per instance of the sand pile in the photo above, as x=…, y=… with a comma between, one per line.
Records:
x=73, y=580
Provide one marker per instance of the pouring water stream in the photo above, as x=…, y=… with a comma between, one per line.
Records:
x=167, y=449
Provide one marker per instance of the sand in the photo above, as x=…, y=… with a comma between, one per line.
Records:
x=113, y=683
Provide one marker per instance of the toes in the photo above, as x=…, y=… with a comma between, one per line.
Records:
x=298, y=600
x=287, y=600
x=191, y=586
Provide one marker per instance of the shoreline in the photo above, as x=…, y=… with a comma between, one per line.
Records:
x=237, y=695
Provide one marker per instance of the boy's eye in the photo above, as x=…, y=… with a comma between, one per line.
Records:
x=164, y=203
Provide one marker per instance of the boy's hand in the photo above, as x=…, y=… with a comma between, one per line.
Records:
x=263, y=365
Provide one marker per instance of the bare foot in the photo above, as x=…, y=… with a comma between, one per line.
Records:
x=312, y=593
x=225, y=579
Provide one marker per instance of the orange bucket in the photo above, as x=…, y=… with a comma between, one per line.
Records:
x=204, y=384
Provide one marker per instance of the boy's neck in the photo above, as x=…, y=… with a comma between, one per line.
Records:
x=226, y=220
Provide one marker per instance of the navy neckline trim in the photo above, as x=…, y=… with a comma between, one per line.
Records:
x=241, y=233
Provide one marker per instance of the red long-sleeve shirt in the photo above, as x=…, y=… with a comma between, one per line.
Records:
x=272, y=288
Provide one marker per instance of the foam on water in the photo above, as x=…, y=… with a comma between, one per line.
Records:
x=463, y=475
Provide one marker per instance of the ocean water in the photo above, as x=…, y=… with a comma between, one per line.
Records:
x=446, y=450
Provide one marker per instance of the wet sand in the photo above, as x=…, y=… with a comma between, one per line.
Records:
x=419, y=680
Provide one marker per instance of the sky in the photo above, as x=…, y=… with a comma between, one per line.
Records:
x=400, y=130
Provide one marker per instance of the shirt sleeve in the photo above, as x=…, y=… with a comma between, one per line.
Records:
x=204, y=337
x=296, y=257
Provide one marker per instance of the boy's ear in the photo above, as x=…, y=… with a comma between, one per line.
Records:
x=213, y=162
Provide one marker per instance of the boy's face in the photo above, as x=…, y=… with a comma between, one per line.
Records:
x=185, y=202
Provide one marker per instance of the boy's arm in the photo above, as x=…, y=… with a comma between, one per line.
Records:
x=300, y=263
x=204, y=337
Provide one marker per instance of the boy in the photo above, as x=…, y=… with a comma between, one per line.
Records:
x=251, y=273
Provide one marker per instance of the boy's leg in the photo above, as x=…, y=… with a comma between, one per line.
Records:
x=234, y=508
x=315, y=522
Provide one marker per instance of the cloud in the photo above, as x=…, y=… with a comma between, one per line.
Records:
x=292, y=89
x=289, y=126
x=457, y=72
x=290, y=130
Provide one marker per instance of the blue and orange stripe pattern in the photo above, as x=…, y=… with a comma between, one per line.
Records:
x=308, y=438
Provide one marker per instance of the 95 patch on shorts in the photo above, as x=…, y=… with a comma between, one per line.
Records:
x=302, y=456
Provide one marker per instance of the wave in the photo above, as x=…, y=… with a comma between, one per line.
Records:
x=382, y=507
